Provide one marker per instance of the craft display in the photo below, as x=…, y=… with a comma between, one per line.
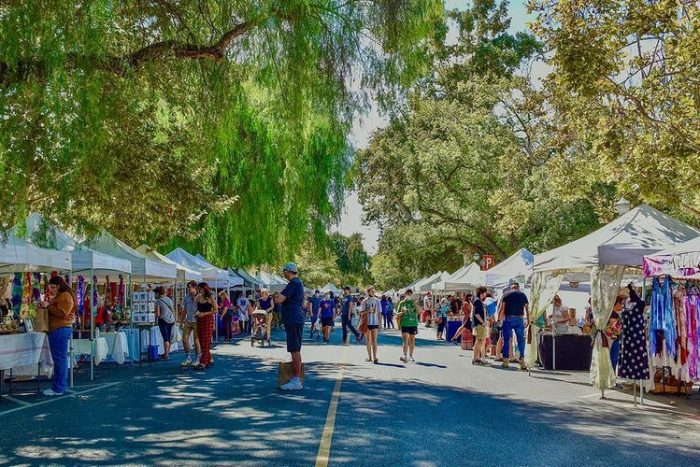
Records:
x=143, y=307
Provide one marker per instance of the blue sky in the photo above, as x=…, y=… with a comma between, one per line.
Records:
x=351, y=220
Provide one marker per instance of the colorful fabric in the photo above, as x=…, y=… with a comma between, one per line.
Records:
x=205, y=329
x=692, y=307
x=662, y=322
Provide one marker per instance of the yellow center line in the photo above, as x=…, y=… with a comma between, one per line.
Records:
x=324, y=449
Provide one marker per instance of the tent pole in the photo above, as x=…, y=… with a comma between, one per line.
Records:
x=554, y=344
x=93, y=315
x=70, y=342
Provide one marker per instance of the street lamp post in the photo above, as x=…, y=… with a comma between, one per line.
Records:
x=622, y=206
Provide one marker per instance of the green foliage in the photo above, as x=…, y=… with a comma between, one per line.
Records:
x=625, y=98
x=221, y=124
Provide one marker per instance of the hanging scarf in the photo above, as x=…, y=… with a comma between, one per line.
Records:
x=17, y=293
x=122, y=292
x=94, y=290
x=692, y=308
x=108, y=292
x=81, y=295
x=36, y=287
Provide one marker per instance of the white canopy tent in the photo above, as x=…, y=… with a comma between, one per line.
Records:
x=247, y=278
x=17, y=255
x=517, y=267
x=440, y=285
x=412, y=285
x=209, y=272
x=470, y=277
x=232, y=279
x=143, y=267
x=427, y=284
x=83, y=259
x=602, y=258
x=331, y=288
x=272, y=282
x=184, y=273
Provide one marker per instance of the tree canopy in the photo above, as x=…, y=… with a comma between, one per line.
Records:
x=219, y=124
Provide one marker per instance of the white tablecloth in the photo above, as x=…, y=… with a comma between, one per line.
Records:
x=83, y=347
x=23, y=352
x=117, y=346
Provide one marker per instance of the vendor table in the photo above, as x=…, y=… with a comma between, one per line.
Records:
x=453, y=323
x=117, y=346
x=27, y=351
x=84, y=347
x=573, y=351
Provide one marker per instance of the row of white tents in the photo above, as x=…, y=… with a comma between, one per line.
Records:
x=641, y=243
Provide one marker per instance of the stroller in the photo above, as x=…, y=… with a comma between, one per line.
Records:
x=261, y=328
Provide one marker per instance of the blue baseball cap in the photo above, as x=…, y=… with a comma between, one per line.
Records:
x=291, y=267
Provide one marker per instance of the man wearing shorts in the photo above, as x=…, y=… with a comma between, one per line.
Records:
x=371, y=312
x=315, y=305
x=293, y=318
x=188, y=322
x=408, y=315
x=479, y=323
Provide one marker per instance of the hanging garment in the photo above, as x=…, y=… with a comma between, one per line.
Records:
x=692, y=308
x=634, y=357
x=663, y=319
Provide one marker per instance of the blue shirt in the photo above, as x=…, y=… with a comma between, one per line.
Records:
x=292, y=307
x=327, y=308
x=315, y=304
x=346, y=304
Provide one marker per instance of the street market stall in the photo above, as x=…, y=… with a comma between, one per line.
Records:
x=516, y=268
x=602, y=257
x=23, y=351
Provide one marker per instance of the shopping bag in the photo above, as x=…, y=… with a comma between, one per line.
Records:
x=285, y=373
x=363, y=325
x=41, y=321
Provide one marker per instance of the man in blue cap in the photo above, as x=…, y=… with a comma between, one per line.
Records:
x=293, y=318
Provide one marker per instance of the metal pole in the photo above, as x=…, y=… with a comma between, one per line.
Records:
x=93, y=313
x=70, y=342
x=554, y=342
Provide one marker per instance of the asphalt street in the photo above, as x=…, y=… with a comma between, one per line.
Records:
x=438, y=411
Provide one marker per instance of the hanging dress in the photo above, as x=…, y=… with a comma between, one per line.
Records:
x=634, y=357
x=692, y=307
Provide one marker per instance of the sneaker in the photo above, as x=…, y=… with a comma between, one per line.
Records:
x=376, y=360
x=51, y=392
x=187, y=362
x=523, y=366
x=411, y=359
x=196, y=360
x=293, y=385
x=404, y=359
x=505, y=364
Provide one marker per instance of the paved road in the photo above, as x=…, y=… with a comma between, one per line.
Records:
x=439, y=411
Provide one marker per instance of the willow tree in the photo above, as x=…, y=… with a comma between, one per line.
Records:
x=222, y=124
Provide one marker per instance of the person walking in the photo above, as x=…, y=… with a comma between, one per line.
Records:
x=428, y=309
x=292, y=301
x=408, y=314
x=166, y=319
x=479, y=324
x=327, y=316
x=267, y=304
x=243, y=305
x=315, y=307
x=188, y=323
x=206, y=311
x=390, y=312
x=371, y=311
x=226, y=316
x=441, y=317
x=514, y=312
x=62, y=309
x=346, y=308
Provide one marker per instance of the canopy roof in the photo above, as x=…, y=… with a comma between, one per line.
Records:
x=331, y=288
x=516, y=267
x=82, y=258
x=208, y=271
x=624, y=242
x=272, y=281
x=17, y=255
x=470, y=277
x=679, y=260
x=440, y=285
x=426, y=284
x=183, y=271
x=247, y=277
x=142, y=266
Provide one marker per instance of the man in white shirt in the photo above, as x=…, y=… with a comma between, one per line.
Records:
x=428, y=309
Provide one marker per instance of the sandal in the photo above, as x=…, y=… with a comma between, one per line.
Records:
x=376, y=360
x=199, y=367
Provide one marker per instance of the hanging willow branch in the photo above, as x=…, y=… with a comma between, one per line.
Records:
x=157, y=51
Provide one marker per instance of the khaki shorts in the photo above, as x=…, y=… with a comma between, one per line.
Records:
x=480, y=332
x=189, y=327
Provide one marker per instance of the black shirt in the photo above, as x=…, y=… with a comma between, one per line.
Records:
x=478, y=311
x=514, y=302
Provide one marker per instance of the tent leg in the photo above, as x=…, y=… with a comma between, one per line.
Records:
x=93, y=292
x=634, y=392
x=641, y=393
